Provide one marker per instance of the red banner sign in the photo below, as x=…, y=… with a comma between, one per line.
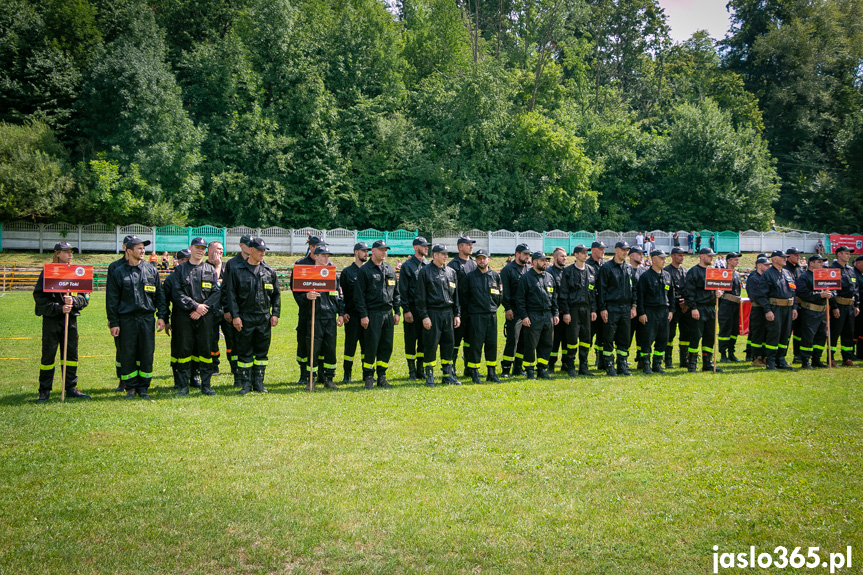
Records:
x=719, y=279
x=853, y=242
x=827, y=279
x=314, y=278
x=68, y=278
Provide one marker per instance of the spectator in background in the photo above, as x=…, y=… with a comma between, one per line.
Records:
x=713, y=242
x=676, y=240
x=691, y=241
x=697, y=242
x=639, y=240
x=819, y=248
x=154, y=259
x=648, y=246
x=165, y=260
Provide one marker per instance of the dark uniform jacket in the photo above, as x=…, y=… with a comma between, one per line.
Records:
x=535, y=295
x=653, y=291
x=115, y=264
x=226, y=279
x=195, y=284
x=376, y=289
x=595, y=265
x=796, y=270
x=695, y=294
x=756, y=288
x=50, y=304
x=348, y=284
x=859, y=281
x=735, y=290
x=480, y=292
x=509, y=276
x=615, y=285
x=780, y=285
x=806, y=289
x=850, y=289
x=408, y=282
x=327, y=306
x=134, y=290
x=254, y=290
x=437, y=289
x=169, y=286
x=678, y=276
x=577, y=288
x=461, y=267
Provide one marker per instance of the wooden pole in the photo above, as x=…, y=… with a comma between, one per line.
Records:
x=65, y=352
x=312, y=350
x=715, y=329
x=829, y=343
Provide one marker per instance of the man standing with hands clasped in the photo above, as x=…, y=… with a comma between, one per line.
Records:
x=536, y=307
x=436, y=300
x=844, y=308
x=701, y=303
x=654, y=313
x=615, y=285
x=577, y=304
x=378, y=305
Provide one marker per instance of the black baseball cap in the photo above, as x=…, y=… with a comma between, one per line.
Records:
x=706, y=252
x=858, y=259
x=480, y=252
x=245, y=240
x=439, y=249
x=636, y=250
x=380, y=244
x=658, y=254
x=762, y=261
x=621, y=246
x=732, y=255
x=599, y=245
x=63, y=246
x=778, y=254
x=183, y=254
x=579, y=249
x=258, y=244
x=814, y=257
x=677, y=250
x=762, y=255
x=843, y=249
x=420, y=241
x=198, y=242
x=522, y=248
x=465, y=240
x=792, y=251
x=361, y=246
x=538, y=256
x=134, y=241
x=315, y=240
x=322, y=249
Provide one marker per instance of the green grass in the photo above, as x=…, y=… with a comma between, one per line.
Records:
x=625, y=475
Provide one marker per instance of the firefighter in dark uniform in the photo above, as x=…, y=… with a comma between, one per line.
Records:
x=756, y=288
x=811, y=313
x=480, y=294
x=654, y=313
x=702, y=312
x=558, y=346
x=54, y=307
x=169, y=286
x=463, y=265
x=844, y=308
x=255, y=305
x=437, y=304
x=616, y=302
x=780, y=312
x=214, y=258
x=133, y=293
x=577, y=303
x=111, y=267
x=304, y=322
x=536, y=307
x=596, y=261
x=729, y=313
x=636, y=256
x=513, y=350
x=378, y=305
x=195, y=296
x=792, y=264
x=412, y=328
x=227, y=326
x=858, y=324
x=353, y=331
x=680, y=318
x=329, y=315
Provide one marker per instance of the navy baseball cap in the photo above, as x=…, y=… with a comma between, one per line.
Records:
x=465, y=240
x=792, y=251
x=732, y=255
x=579, y=249
x=245, y=240
x=844, y=249
x=858, y=259
x=361, y=246
x=63, y=246
x=706, y=252
x=323, y=249
x=538, y=256
x=134, y=241
x=480, y=252
x=778, y=254
x=814, y=257
x=599, y=245
x=658, y=254
x=420, y=241
x=439, y=249
x=199, y=242
x=762, y=261
x=315, y=240
x=258, y=244
x=380, y=244
x=183, y=254
x=636, y=250
x=522, y=248
x=621, y=246
x=677, y=250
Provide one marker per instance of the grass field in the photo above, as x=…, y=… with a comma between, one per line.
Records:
x=624, y=475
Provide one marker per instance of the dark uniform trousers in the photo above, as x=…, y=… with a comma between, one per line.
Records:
x=191, y=347
x=635, y=336
x=796, y=336
x=304, y=324
x=617, y=331
x=757, y=331
x=325, y=342
x=778, y=332
x=559, y=343
x=577, y=335
x=538, y=339
x=597, y=330
x=253, y=341
x=379, y=341
x=729, y=325
x=702, y=331
x=116, y=356
x=137, y=343
x=483, y=334
x=414, y=342
x=858, y=330
x=230, y=349
x=52, y=340
x=354, y=335
x=461, y=336
x=441, y=334
x=654, y=335
x=679, y=324
x=812, y=332
x=843, y=327
x=513, y=349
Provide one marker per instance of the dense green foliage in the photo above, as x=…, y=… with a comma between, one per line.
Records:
x=431, y=114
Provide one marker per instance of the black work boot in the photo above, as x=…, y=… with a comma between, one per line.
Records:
x=347, y=367
x=657, y=364
x=518, y=367
x=622, y=366
x=43, y=396
x=748, y=355
x=449, y=375
x=816, y=362
x=723, y=358
x=543, y=373
x=206, y=382
x=474, y=375
x=771, y=362
x=782, y=364
x=669, y=361
x=583, y=370
x=805, y=363
x=245, y=376
x=130, y=393
x=369, y=378
x=258, y=374
x=429, y=371
x=304, y=376
x=551, y=363
x=142, y=393
x=420, y=367
x=530, y=373
x=412, y=370
x=382, y=378
x=732, y=358
x=569, y=366
x=504, y=371
x=329, y=374
x=491, y=375
x=692, y=363
x=707, y=363
x=645, y=365
x=611, y=372
x=196, y=381
x=684, y=356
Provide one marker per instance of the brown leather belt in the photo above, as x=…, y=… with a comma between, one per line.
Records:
x=782, y=302
x=845, y=300
x=731, y=298
x=812, y=306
